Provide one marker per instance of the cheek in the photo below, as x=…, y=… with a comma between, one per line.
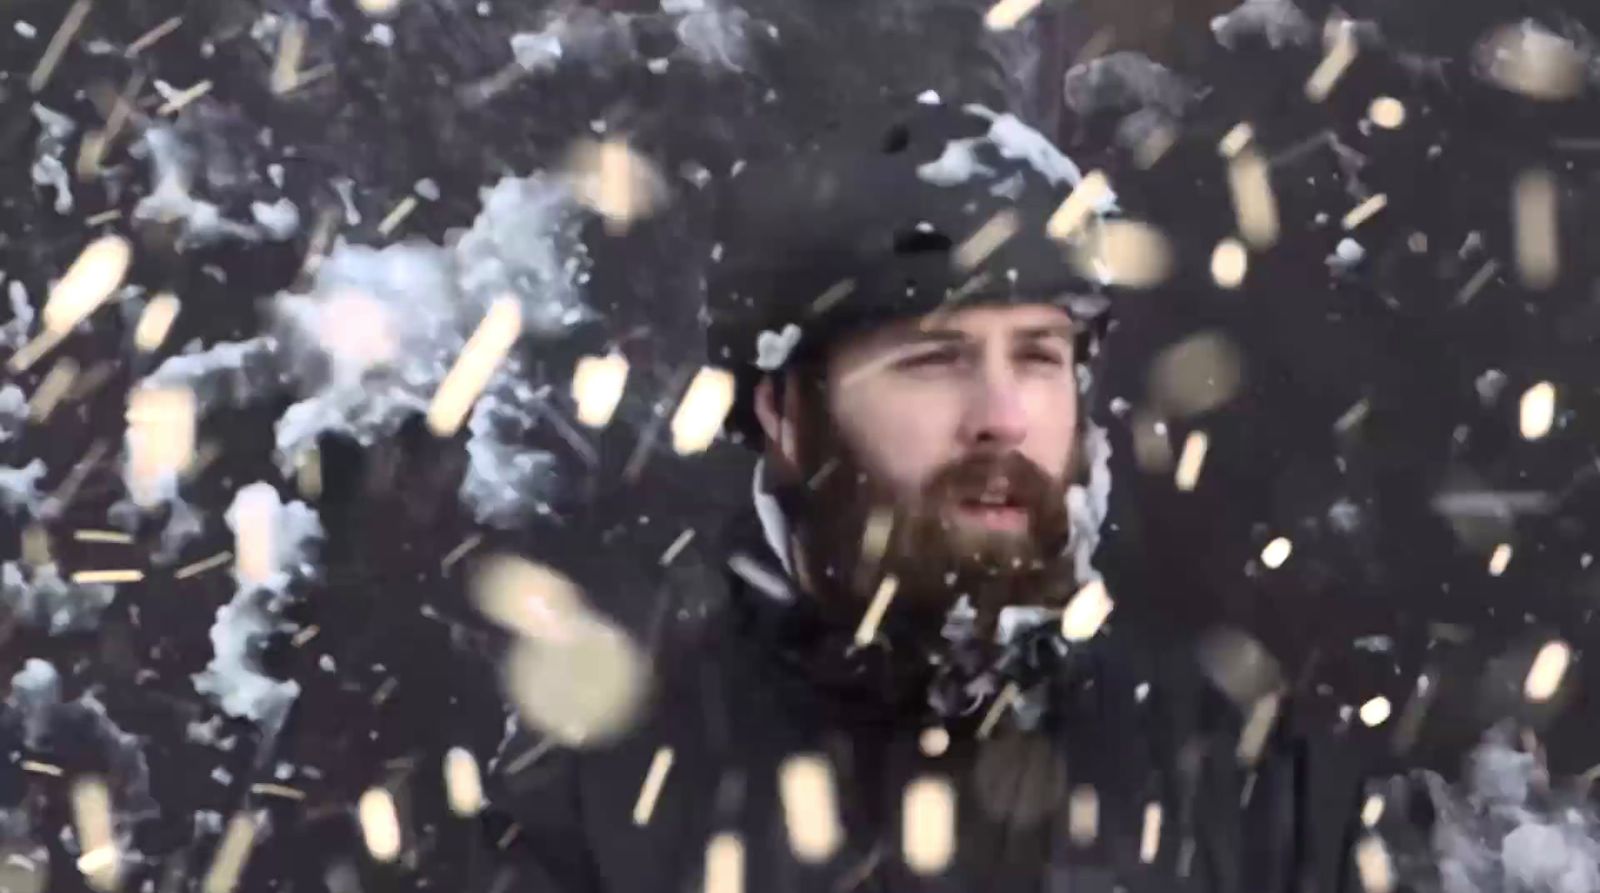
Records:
x=902, y=438
x=1053, y=431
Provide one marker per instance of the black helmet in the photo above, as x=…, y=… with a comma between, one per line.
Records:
x=940, y=207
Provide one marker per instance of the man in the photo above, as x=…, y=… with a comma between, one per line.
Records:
x=872, y=686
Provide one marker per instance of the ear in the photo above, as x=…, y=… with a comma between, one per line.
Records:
x=777, y=422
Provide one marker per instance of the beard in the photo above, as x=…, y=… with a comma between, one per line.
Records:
x=854, y=530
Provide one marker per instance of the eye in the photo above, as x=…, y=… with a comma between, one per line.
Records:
x=928, y=359
x=1041, y=355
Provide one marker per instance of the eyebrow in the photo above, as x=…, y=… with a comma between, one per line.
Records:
x=915, y=335
x=1067, y=331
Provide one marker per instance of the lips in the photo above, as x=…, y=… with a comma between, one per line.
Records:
x=995, y=494
x=994, y=507
x=1007, y=519
x=1000, y=501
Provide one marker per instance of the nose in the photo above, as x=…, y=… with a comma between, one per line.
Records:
x=996, y=419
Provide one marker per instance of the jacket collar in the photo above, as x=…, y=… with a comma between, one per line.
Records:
x=949, y=677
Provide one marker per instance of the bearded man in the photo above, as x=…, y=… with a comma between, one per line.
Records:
x=892, y=674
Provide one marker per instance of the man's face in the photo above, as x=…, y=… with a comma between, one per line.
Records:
x=956, y=407
x=961, y=426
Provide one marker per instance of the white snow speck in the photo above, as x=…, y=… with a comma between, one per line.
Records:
x=958, y=163
x=14, y=333
x=1508, y=826
x=773, y=348
x=1011, y=139
x=170, y=200
x=19, y=487
x=279, y=220
x=1279, y=22
x=1490, y=385
x=1088, y=503
x=13, y=411
x=707, y=33
x=536, y=51
x=345, y=188
x=48, y=169
x=48, y=722
x=42, y=600
x=1346, y=255
x=235, y=677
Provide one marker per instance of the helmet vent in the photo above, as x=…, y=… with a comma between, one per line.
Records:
x=897, y=140
x=922, y=241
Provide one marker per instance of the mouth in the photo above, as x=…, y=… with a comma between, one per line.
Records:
x=993, y=509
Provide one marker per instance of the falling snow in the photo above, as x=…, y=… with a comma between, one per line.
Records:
x=1279, y=22
x=235, y=677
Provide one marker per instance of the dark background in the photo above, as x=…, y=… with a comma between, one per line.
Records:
x=1373, y=558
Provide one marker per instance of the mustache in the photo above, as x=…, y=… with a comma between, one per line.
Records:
x=1020, y=480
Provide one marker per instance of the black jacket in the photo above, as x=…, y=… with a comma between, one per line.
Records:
x=745, y=680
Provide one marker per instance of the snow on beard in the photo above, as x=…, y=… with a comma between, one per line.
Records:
x=853, y=529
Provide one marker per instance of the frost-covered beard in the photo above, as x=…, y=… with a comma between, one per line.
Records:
x=853, y=530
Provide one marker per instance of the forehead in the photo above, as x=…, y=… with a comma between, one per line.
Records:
x=980, y=323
